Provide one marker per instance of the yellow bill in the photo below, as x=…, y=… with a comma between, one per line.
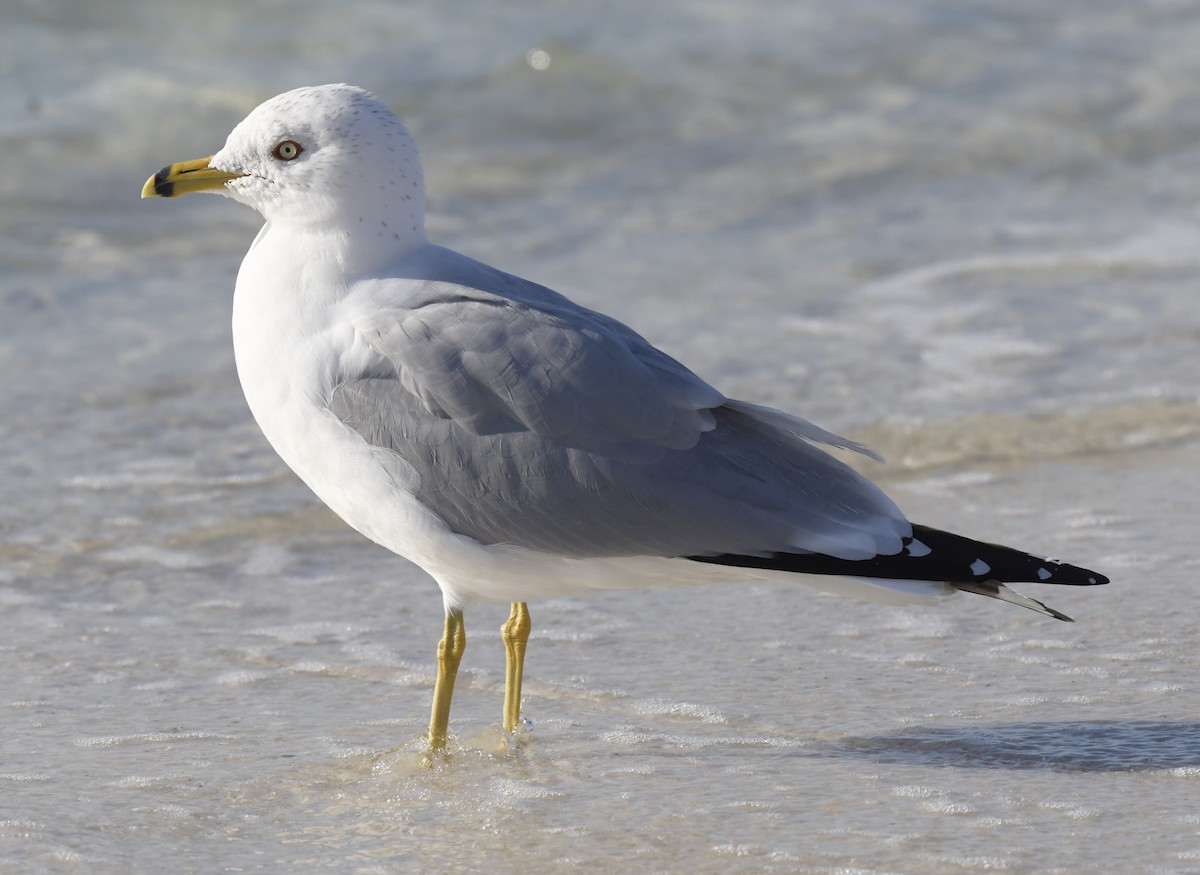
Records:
x=185, y=178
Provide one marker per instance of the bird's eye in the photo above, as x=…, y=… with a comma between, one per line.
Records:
x=288, y=150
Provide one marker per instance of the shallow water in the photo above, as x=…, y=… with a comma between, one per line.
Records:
x=965, y=233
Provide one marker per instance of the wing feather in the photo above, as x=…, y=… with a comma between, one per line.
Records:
x=533, y=421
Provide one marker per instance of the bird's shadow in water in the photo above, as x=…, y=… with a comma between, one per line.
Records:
x=1071, y=746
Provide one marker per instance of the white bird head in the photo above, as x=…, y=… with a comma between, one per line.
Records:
x=322, y=156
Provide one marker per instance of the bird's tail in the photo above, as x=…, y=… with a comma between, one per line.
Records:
x=934, y=555
x=996, y=590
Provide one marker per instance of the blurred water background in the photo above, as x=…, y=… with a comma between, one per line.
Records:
x=965, y=232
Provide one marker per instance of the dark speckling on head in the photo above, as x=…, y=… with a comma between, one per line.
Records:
x=354, y=149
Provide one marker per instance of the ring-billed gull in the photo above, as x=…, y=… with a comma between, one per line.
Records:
x=508, y=441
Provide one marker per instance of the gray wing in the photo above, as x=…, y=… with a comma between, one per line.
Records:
x=498, y=366
x=534, y=422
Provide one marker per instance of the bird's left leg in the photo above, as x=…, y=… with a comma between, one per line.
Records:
x=450, y=651
x=514, y=633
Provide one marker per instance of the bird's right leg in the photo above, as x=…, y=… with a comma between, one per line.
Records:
x=450, y=651
x=515, y=635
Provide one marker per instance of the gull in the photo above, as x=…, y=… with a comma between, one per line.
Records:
x=510, y=442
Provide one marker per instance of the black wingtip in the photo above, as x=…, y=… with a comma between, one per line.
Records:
x=929, y=554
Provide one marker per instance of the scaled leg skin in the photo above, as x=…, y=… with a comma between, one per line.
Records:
x=515, y=634
x=450, y=651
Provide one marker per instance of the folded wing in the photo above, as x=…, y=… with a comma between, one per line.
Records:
x=535, y=422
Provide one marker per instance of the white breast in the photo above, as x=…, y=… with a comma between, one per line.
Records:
x=291, y=351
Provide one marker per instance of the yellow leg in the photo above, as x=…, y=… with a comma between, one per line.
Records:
x=450, y=651
x=515, y=634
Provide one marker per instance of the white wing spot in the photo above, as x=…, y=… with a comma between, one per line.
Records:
x=1043, y=574
x=918, y=548
x=980, y=568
